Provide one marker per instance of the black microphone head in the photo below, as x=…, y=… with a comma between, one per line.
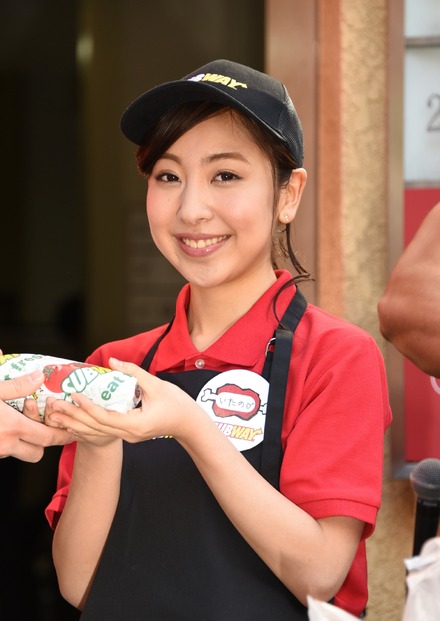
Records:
x=425, y=479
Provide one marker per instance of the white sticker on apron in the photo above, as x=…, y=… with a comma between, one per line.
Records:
x=236, y=401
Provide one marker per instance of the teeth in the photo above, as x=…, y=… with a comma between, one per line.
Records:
x=202, y=243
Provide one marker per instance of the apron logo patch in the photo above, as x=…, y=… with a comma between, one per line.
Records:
x=237, y=401
x=231, y=400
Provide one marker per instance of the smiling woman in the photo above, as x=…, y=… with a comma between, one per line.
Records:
x=210, y=208
x=183, y=117
x=226, y=500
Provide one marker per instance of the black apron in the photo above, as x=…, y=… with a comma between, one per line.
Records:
x=171, y=552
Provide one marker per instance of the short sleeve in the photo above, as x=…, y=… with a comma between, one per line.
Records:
x=65, y=468
x=334, y=442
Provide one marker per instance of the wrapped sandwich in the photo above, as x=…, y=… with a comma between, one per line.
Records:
x=112, y=390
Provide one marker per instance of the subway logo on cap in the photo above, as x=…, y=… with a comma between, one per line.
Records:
x=218, y=79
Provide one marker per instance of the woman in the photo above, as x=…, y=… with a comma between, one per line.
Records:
x=251, y=474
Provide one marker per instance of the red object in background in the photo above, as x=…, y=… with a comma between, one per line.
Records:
x=421, y=392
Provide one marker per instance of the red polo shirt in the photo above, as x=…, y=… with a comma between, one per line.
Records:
x=335, y=416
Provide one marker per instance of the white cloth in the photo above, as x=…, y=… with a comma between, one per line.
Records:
x=423, y=582
x=322, y=611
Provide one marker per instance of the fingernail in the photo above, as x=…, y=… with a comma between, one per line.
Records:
x=36, y=375
x=115, y=362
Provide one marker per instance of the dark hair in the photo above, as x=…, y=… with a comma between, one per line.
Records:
x=183, y=117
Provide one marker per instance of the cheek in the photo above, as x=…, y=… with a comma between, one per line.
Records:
x=261, y=202
x=156, y=210
x=154, y=221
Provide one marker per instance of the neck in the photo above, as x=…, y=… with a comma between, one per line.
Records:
x=212, y=311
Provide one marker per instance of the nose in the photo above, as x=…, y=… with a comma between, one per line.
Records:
x=195, y=203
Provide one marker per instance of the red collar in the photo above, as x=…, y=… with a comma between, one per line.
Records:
x=241, y=345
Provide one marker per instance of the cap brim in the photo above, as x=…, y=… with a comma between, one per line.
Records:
x=146, y=110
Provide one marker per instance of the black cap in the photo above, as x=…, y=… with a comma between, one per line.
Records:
x=254, y=93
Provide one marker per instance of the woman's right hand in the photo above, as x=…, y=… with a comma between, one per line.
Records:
x=166, y=410
x=56, y=414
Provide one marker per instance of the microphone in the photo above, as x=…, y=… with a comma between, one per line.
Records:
x=425, y=481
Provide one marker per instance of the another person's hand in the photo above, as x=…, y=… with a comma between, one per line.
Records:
x=24, y=436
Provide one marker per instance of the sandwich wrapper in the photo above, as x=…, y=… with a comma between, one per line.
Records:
x=111, y=390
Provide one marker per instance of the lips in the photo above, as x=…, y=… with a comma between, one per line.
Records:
x=203, y=243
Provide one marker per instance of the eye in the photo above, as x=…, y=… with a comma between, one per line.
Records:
x=225, y=175
x=166, y=177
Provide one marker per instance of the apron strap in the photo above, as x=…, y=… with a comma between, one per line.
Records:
x=272, y=454
x=150, y=354
x=294, y=312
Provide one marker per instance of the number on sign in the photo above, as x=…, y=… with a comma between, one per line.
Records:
x=434, y=121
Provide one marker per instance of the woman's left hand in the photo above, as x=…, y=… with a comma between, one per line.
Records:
x=164, y=411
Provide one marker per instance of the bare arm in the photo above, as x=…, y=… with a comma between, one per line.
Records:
x=20, y=436
x=409, y=310
x=83, y=527
x=309, y=556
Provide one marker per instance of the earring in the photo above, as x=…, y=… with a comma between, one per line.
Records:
x=286, y=217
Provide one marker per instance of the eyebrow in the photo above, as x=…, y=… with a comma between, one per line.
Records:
x=228, y=155
x=214, y=157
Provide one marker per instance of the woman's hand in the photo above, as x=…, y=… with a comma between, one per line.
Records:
x=166, y=410
x=68, y=416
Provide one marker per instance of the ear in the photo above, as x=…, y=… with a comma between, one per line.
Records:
x=290, y=196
